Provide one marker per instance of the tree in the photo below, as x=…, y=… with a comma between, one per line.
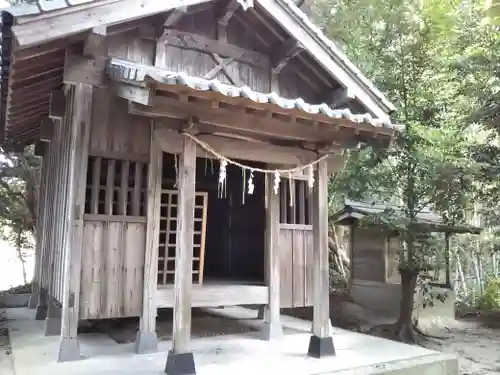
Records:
x=19, y=184
x=408, y=48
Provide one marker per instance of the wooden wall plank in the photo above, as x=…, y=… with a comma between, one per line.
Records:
x=133, y=263
x=286, y=268
x=112, y=281
x=298, y=256
x=309, y=269
x=92, y=273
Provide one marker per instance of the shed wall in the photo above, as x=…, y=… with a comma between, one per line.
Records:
x=369, y=252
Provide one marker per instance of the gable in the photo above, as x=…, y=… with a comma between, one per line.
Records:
x=312, y=68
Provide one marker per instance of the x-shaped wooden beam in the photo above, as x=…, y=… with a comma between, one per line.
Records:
x=222, y=65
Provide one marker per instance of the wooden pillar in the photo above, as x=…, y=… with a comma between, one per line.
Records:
x=53, y=319
x=180, y=360
x=39, y=294
x=37, y=274
x=80, y=133
x=321, y=343
x=147, y=341
x=272, y=328
x=48, y=235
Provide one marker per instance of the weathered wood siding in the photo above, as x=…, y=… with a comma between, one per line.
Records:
x=115, y=217
x=295, y=266
x=369, y=251
x=194, y=47
x=295, y=243
x=179, y=52
x=56, y=224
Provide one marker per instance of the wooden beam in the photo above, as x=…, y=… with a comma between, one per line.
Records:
x=339, y=97
x=181, y=336
x=57, y=105
x=132, y=93
x=60, y=24
x=201, y=43
x=147, y=340
x=170, y=141
x=272, y=328
x=240, y=120
x=95, y=44
x=225, y=13
x=174, y=17
x=80, y=69
x=227, y=10
x=80, y=137
x=321, y=343
x=284, y=53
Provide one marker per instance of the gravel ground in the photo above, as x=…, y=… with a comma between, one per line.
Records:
x=203, y=324
x=477, y=345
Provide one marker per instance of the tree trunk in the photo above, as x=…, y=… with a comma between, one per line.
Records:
x=404, y=326
x=20, y=256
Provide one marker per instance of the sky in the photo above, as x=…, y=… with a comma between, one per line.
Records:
x=11, y=273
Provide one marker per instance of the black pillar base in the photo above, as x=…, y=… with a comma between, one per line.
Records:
x=41, y=312
x=180, y=364
x=320, y=347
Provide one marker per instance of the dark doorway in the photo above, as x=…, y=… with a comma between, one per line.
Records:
x=235, y=222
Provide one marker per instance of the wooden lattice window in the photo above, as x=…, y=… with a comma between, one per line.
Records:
x=295, y=202
x=168, y=236
x=116, y=187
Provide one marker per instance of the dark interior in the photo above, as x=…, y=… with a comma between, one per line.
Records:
x=234, y=247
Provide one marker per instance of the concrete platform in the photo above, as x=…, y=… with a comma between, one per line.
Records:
x=357, y=354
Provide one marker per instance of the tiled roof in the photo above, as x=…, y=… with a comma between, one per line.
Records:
x=125, y=70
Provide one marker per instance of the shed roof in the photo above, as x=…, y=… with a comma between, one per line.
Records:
x=427, y=220
x=50, y=21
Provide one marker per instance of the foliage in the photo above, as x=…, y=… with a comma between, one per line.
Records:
x=491, y=298
x=439, y=64
x=20, y=289
x=19, y=183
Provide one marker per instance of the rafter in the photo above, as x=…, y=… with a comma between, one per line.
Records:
x=284, y=53
x=175, y=16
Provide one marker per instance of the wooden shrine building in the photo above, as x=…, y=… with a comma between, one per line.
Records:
x=186, y=150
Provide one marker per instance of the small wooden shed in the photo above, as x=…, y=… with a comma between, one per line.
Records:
x=186, y=149
x=374, y=253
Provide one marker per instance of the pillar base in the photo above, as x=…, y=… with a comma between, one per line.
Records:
x=52, y=326
x=33, y=302
x=260, y=313
x=320, y=347
x=271, y=331
x=146, y=342
x=69, y=350
x=41, y=312
x=180, y=364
